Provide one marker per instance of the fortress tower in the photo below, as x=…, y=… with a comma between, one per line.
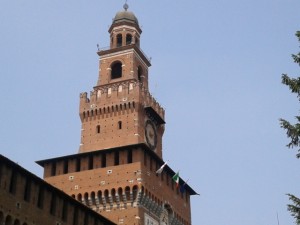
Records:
x=114, y=172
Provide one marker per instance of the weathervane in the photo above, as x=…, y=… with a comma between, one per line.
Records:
x=126, y=6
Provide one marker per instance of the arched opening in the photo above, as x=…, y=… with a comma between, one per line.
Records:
x=1, y=218
x=116, y=70
x=140, y=73
x=93, y=199
x=135, y=192
x=79, y=197
x=113, y=195
x=17, y=222
x=86, y=198
x=128, y=39
x=119, y=40
x=8, y=220
x=127, y=193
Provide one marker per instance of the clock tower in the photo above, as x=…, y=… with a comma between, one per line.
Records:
x=122, y=125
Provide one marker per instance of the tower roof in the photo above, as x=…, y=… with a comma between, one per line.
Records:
x=125, y=16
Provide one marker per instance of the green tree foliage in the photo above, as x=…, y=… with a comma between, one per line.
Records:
x=293, y=132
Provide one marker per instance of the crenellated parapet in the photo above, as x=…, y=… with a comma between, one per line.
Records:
x=149, y=101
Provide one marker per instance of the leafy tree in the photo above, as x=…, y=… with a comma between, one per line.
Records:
x=293, y=132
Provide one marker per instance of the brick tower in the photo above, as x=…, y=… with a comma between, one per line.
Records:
x=114, y=172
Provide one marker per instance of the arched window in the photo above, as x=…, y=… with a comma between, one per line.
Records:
x=116, y=70
x=119, y=40
x=128, y=39
x=140, y=73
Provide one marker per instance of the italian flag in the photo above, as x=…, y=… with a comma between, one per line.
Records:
x=176, y=179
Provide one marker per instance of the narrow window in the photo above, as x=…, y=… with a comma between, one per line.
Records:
x=120, y=125
x=119, y=40
x=117, y=158
x=64, y=215
x=98, y=129
x=103, y=160
x=13, y=182
x=77, y=164
x=27, y=190
x=91, y=162
x=129, y=156
x=40, y=201
x=53, y=169
x=128, y=39
x=66, y=165
x=53, y=204
x=116, y=70
x=86, y=219
x=75, y=216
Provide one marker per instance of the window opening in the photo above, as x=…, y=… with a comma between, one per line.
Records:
x=119, y=40
x=103, y=160
x=13, y=182
x=128, y=39
x=40, y=201
x=66, y=166
x=117, y=158
x=64, y=215
x=91, y=163
x=77, y=164
x=53, y=204
x=53, y=169
x=27, y=190
x=129, y=156
x=120, y=125
x=116, y=70
x=98, y=129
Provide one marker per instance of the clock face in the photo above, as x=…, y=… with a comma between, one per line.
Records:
x=150, y=133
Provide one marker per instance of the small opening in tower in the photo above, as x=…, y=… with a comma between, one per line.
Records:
x=98, y=129
x=120, y=125
x=128, y=39
x=119, y=40
x=116, y=70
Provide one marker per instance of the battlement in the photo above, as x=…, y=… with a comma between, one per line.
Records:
x=150, y=101
x=118, y=96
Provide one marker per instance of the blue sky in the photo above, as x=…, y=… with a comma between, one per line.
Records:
x=216, y=69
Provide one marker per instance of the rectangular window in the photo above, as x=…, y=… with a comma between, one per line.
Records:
x=75, y=216
x=66, y=166
x=53, y=204
x=64, y=215
x=117, y=158
x=13, y=182
x=77, y=164
x=53, y=169
x=98, y=129
x=91, y=162
x=120, y=125
x=129, y=156
x=27, y=191
x=103, y=160
x=40, y=200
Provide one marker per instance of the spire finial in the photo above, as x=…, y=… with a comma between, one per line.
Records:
x=125, y=6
